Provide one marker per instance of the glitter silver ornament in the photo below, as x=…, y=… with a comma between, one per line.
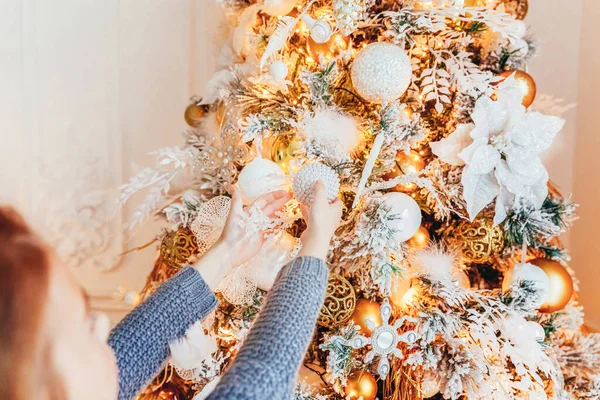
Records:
x=307, y=176
x=381, y=72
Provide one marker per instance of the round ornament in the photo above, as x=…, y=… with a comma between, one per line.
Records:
x=430, y=385
x=381, y=72
x=361, y=385
x=410, y=163
x=276, y=8
x=193, y=115
x=525, y=83
x=278, y=70
x=561, y=285
x=307, y=176
x=340, y=302
x=259, y=177
x=479, y=240
x=282, y=150
x=330, y=49
x=407, y=214
x=177, y=247
x=420, y=240
x=536, y=331
x=366, y=310
x=531, y=273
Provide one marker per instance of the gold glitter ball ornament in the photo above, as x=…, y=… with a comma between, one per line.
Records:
x=479, y=240
x=340, y=301
x=361, y=385
x=177, y=247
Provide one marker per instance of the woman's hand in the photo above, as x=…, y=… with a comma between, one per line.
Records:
x=236, y=246
x=241, y=245
x=322, y=219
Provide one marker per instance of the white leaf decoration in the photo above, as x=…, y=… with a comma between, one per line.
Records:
x=478, y=191
x=284, y=30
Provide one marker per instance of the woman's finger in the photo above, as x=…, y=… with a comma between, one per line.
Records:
x=270, y=209
x=237, y=203
x=268, y=198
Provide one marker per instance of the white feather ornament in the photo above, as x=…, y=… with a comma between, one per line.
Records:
x=282, y=33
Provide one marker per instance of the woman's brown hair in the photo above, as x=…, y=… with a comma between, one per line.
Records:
x=24, y=280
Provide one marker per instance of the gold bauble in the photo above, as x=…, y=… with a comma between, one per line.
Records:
x=193, y=115
x=283, y=149
x=366, y=310
x=177, y=247
x=561, y=285
x=410, y=163
x=340, y=302
x=361, y=384
x=420, y=240
x=329, y=49
x=525, y=83
x=479, y=240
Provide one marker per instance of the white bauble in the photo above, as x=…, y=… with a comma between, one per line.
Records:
x=381, y=72
x=278, y=70
x=332, y=130
x=307, y=176
x=321, y=31
x=273, y=256
x=536, y=331
x=260, y=176
x=408, y=212
x=276, y=8
x=529, y=272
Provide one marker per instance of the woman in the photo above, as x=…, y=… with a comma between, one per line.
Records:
x=53, y=348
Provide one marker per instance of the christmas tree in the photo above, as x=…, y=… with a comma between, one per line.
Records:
x=448, y=279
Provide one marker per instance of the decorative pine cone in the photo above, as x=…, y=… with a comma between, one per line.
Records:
x=305, y=179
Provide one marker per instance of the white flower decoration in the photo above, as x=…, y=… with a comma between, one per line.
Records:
x=501, y=152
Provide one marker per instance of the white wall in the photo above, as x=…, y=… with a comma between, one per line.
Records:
x=86, y=88
x=107, y=81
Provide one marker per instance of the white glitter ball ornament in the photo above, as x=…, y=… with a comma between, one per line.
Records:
x=307, y=176
x=381, y=72
x=531, y=273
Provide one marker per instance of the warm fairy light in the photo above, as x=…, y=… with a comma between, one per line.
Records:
x=420, y=240
x=410, y=296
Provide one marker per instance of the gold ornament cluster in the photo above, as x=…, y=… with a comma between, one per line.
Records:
x=479, y=240
x=340, y=301
x=177, y=247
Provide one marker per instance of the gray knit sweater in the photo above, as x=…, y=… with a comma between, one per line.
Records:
x=268, y=361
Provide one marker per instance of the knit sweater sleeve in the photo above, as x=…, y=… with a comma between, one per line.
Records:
x=141, y=340
x=267, y=364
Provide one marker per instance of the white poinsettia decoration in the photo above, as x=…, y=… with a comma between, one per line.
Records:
x=500, y=152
